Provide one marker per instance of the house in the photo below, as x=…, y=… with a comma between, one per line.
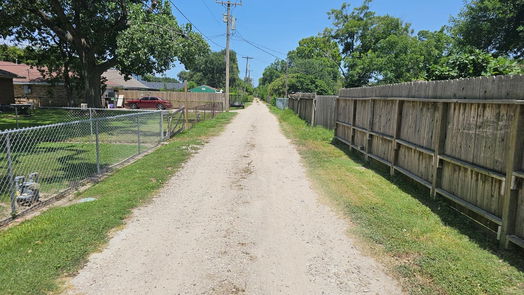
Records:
x=7, y=91
x=115, y=81
x=30, y=86
x=27, y=85
x=204, y=88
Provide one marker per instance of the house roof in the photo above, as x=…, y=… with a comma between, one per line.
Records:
x=203, y=88
x=117, y=80
x=8, y=75
x=23, y=72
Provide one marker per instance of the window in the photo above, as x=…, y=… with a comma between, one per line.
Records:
x=153, y=98
x=27, y=89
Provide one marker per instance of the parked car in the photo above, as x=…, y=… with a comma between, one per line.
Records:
x=148, y=102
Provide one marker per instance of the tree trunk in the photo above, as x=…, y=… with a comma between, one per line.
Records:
x=92, y=89
x=91, y=79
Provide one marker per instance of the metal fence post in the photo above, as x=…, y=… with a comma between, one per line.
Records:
x=138, y=134
x=161, y=126
x=10, y=175
x=97, y=146
x=91, y=120
x=16, y=116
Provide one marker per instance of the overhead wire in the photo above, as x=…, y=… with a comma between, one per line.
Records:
x=210, y=12
x=193, y=25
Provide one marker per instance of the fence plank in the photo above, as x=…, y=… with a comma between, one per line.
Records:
x=439, y=141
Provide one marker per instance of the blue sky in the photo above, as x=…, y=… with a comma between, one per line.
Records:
x=277, y=26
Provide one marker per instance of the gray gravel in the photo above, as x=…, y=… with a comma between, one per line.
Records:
x=239, y=218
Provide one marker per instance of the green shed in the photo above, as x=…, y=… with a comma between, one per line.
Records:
x=203, y=88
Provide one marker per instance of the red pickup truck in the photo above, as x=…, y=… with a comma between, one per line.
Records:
x=148, y=102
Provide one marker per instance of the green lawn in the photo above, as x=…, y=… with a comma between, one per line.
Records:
x=39, y=117
x=429, y=247
x=59, y=164
x=36, y=253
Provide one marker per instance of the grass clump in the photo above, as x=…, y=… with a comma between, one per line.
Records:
x=430, y=247
x=34, y=254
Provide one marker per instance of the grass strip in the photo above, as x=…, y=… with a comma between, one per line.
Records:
x=34, y=254
x=428, y=246
x=37, y=118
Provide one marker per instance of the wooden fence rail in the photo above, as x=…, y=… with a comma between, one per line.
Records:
x=462, y=139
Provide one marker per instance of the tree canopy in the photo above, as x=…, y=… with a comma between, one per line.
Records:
x=210, y=69
x=137, y=37
x=494, y=26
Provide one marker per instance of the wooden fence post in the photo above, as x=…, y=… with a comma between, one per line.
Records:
x=397, y=119
x=513, y=162
x=353, y=120
x=370, y=128
x=439, y=141
x=336, y=115
x=313, y=111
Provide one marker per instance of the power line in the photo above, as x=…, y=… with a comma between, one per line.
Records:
x=261, y=49
x=193, y=25
x=260, y=45
x=210, y=12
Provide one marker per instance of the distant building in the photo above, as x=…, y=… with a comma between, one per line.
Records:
x=204, y=88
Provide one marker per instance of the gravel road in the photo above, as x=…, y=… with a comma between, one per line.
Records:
x=241, y=217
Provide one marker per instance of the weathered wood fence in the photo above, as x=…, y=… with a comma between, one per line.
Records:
x=179, y=99
x=463, y=139
x=303, y=105
x=317, y=110
x=325, y=111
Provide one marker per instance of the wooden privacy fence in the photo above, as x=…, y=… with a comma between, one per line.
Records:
x=325, y=111
x=317, y=110
x=303, y=105
x=463, y=139
x=178, y=99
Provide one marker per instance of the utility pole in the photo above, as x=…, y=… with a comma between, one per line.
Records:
x=247, y=66
x=286, y=80
x=228, y=5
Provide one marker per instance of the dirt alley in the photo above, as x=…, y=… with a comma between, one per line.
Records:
x=239, y=218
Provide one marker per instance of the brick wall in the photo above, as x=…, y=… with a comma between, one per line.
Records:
x=42, y=95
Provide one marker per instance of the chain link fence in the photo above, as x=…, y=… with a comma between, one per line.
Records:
x=37, y=164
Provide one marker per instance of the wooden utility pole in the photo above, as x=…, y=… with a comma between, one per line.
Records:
x=228, y=5
x=247, y=66
x=287, y=89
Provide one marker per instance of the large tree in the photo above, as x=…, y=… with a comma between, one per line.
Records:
x=137, y=37
x=495, y=26
x=365, y=40
x=318, y=57
x=273, y=72
x=210, y=69
x=294, y=83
